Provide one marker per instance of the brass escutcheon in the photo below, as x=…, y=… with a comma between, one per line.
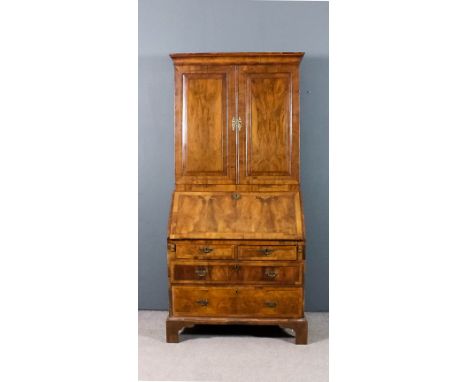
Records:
x=206, y=249
x=203, y=302
x=235, y=196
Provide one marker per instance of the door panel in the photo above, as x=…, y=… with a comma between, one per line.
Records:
x=269, y=142
x=269, y=148
x=205, y=148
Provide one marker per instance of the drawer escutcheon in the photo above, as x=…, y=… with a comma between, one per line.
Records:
x=270, y=274
x=203, y=302
x=265, y=251
x=206, y=249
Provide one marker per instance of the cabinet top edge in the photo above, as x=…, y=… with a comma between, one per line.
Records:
x=231, y=54
x=237, y=57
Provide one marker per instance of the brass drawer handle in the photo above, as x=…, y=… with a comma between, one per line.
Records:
x=206, y=249
x=271, y=274
x=265, y=198
x=265, y=251
x=203, y=302
x=270, y=304
x=201, y=272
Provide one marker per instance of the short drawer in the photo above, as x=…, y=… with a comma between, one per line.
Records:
x=237, y=301
x=268, y=252
x=202, y=273
x=204, y=251
x=259, y=273
x=269, y=274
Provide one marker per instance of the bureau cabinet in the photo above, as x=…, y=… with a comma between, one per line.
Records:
x=236, y=243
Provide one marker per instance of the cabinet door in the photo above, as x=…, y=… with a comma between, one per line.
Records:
x=204, y=142
x=269, y=135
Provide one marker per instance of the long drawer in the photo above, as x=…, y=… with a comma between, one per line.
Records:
x=245, y=272
x=253, y=302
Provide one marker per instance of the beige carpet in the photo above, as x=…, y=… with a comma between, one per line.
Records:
x=237, y=354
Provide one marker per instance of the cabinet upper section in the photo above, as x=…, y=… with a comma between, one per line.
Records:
x=237, y=118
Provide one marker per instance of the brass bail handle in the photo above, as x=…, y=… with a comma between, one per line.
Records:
x=201, y=272
x=271, y=274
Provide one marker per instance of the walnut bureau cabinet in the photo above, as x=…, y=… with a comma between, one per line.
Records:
x=236, y=245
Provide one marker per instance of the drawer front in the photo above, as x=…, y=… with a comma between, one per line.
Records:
x=270, y=302
x=194, y=273
x=268, y=252
x=203, y=302
x=237, y=302
x=236, y=272
x=270, y=274
x=204, y=251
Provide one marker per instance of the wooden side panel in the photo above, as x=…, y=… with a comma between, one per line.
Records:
x=205, y=145
x=190, y=301
x=269, y=141
x=211, y=215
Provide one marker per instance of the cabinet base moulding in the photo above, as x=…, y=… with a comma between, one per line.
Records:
x=174, y=325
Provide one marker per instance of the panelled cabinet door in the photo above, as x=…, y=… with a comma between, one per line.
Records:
x=269, y=133
x=204, y=140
